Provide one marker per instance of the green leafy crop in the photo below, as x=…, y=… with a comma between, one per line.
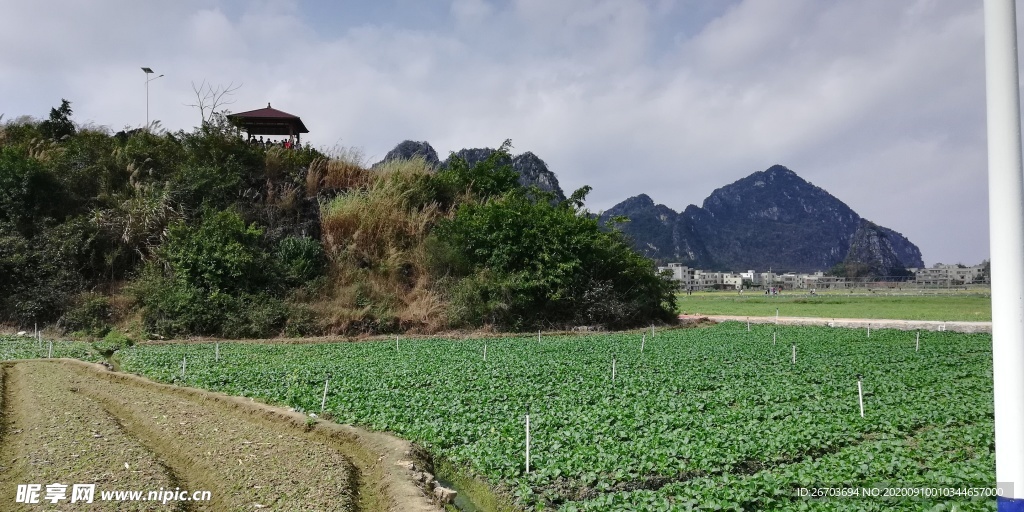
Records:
x=717, y=418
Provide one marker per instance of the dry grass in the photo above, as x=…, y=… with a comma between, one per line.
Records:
x=374, y=234
x=344, y=171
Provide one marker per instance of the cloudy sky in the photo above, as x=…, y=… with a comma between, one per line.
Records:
x=880, y=102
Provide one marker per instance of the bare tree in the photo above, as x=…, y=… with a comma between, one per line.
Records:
x=210, y=99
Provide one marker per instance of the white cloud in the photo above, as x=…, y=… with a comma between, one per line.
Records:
x=673, y=99
x=470, y=13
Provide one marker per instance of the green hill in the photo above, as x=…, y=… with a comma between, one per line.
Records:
x=202, y=233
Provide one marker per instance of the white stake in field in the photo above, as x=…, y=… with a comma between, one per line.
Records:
x=323, y=400
x=527, y=443
x=860, y=395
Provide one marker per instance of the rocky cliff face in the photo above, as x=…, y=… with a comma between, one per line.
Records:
x=770, y=219
x=878, y=250
x=532, y=170
x=409, y=149
x=660, y=232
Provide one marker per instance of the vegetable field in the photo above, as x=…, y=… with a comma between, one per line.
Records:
x=20, y=347
x=720, y=418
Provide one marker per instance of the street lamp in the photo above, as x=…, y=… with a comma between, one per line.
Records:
x=148, y=72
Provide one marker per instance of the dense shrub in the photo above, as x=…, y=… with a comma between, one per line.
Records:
x=30, y=195
x=217, y=281
x=491, y=177
x=173, y=307
x=112, y=342
x=222, y=253
x=549, y=265
x=302, y=321
x=91, y=315
x=40, y=275
x=299, y=260
x=215, y=218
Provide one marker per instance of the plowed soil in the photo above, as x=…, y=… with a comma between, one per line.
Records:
x=69, y=422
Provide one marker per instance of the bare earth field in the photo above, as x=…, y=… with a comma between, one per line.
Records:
x=69, y=422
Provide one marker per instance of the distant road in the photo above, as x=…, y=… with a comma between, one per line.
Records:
x=858, y=323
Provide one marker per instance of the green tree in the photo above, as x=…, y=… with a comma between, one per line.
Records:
x=538, y=264
x=221, y=253
x=30, y=194
x=491, y=177
x=59, y=125
x=218, y=281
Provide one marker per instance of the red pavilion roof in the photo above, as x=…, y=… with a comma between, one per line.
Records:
x=269, y=121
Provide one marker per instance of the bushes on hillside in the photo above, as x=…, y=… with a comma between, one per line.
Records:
x=218, y=281
x=91, y=315
x=541, y=265
x=219, y=237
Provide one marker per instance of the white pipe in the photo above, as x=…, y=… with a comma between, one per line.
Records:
x=1006, y=243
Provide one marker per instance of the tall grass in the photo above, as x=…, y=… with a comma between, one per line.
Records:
x=374, y=233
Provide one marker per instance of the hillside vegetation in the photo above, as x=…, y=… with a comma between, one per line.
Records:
x=200, y=233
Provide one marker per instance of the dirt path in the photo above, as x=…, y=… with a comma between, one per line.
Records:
x=860, y=323
x=70, y=422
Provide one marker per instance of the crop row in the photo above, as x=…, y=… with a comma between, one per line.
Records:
x=20, y=347
x=698, y=409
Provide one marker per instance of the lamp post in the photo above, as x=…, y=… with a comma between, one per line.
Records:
x=148, y=71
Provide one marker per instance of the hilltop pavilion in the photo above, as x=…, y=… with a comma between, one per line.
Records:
x=270, y=121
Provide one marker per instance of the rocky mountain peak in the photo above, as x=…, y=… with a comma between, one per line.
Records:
x=409, y=149
x=771, y=218
x=532, y=170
